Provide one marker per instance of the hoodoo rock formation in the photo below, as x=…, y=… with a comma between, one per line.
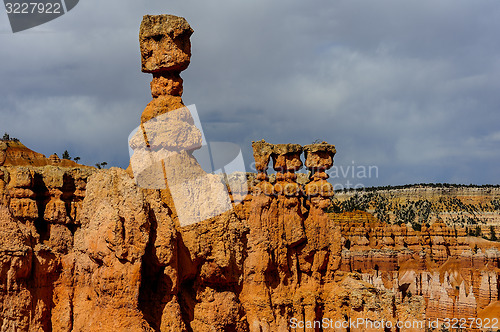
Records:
x=165, y=52
x=83, y=249
x=167, y=136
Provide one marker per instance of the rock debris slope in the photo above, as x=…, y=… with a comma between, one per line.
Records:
x=91, y=250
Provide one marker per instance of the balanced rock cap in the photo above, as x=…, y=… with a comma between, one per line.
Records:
x=165, y=44
x=320, y=147
x=262, y=152
x=281, y=149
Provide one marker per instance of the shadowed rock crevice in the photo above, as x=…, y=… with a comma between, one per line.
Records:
x=154, y=289
x=41, y=193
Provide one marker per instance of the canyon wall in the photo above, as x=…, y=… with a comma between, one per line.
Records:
x=475, y=208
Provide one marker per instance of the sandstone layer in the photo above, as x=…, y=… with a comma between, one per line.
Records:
x=475, y=208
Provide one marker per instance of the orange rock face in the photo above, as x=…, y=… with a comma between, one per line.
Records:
x=83, y=249
x=14, y=153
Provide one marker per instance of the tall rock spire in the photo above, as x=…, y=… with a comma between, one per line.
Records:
x=165, y=52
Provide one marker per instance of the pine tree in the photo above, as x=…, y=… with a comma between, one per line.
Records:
x=493, y=235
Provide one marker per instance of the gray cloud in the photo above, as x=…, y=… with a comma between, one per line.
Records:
x=410, y=87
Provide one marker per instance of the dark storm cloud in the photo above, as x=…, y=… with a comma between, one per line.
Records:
x=411, y=87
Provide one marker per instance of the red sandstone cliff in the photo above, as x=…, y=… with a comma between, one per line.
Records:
x=85, y=249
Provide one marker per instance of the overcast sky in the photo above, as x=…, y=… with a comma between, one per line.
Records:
x=411, y=87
